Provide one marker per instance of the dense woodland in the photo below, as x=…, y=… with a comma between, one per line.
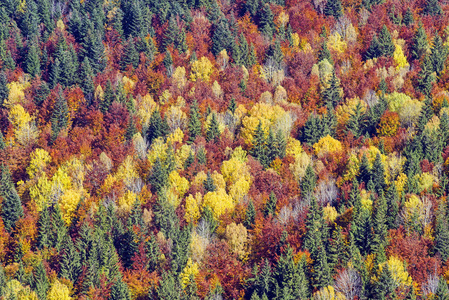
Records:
x=224, y=149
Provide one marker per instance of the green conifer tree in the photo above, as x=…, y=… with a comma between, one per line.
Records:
x=380, y=227
x=324, y=53
x=4, y=90
x=259, y=151
x=120, y=291
x=158, y=177
x=408, y=17
x=331, y=95
x=70, y=262
x=194, y=125
x=158, y=127
x=44, y=229
x=442, y=292
x=378, y=176
x=270, y=206
x=40, y=281
x=433, y=7
x=130, y=55
x=308, y=183
x=209, y=185
x=333, y=8
x=60, y=116
x=11, y=209
x=364, y=170
x=213, y=132
x=374, y=49
x=33, y=65
x=419, y=43
x=221, y=38
x=250, y=216
x=55, y=73
x=439, y=54
x=426, y=77
x=59, y=228
x=393, y=206
x=87, y=84
x=201, y=156
x=386, y=43
x=266, y=21
x=181, y=42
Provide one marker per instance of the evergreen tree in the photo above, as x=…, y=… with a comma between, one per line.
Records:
x=168, y=63
x=322, y=275
x=439, y=54
x=59, y=228
x=87, y=84
x=361, y=228
x=314, y=224
x=333, y=8
x=311, y=131
x=194, y=125
x=336, y=249
x=393, y=206
x=2, y=141
x=33, y=65
x=250, y=215
x=385, y=286
x=378, y=176
x=158, y=127
x=270, y=207
x=209, y=185
x=120, y=291
x=181, y=42
x=201, y=156
x=55, y=73
x=433, y=8
x=213, y=132
x=3, y=280
x=308, y=183
x=108, y=98
x=380, y=227
x=442, y=292
x=375, y=49
x=442, y=234
x=419, y=43
x=60, y=116
x=232, y=105
x=70, y=262
x=364, y=170
x=171, y=33
x=44, y=229
x=95, y=51
x=357, y=121
x=4, y=90
x=258, y=151
x=285, y=275
x=158, y=177
x=386, y=43
x=324, y=53
x=354, y=195
x=408, y=17
x=426, y=77
x=331, y=95
x=252, y=58
x=130, y=55
x=221, y=38
x=274, y=54
x=11, y=209
x=40, y=281
x=266, y=21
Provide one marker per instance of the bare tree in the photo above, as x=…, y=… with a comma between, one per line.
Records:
x=349, y=283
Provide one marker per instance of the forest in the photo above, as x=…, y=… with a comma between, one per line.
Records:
x=224, y=149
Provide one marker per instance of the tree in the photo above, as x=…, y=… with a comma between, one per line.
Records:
x=380, y=227
x=181, y=42
x=87, y=84
x=331, y=95
x=378, y=174
x=55, y=73
x=308, y=183
x=4, y=90
x=408, y=17
x=40, y=281
x=158, y=127
x=324, y=53
x=442, y=292
x=213, y=133
x=442, y=234
x=266, y=21
x=11, y=205
x=250, y=215
x=433, y=8
x=270, y=207
x=364, y=170
x=392, y=205
x=209, y=185
x=258, y=151
x=439, y=54
x=44, y=229
x=333, y=8
x=419, y=43
x=33, y=64
x=120, y=291
x=274, y=54
x=60, y=116
x=130, y=55
x=386, y=43
x=171, y=33
x=357, y=121
x=70, y=263
x=426, y=77
x=222, y=37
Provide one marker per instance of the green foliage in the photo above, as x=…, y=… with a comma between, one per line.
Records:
x=426, y=77
x=11, y=209
x=32, y=60
x=4, y=90
x=308, y=183
x=439, y=54
x=270, y=207
x=333, y=8
x=250, y=215
x=60, y=116
x=386, y=43
x=158, y=127
x=213, y=133
x=419, y=43
x=331, y=95
x=130, y=55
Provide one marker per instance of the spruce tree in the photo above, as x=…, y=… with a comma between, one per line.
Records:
x=55, y=73
x=181, y=42
x=70, y=262
x=266, y=21
x=426, y=77
x=201, y=156
x=419, y=43
x=213, y=132
x=60, y=116
x=311, y=131
x=393, y=206
x=258, y=151
x=250, y=215
x=364, y=170
x=331, y=95
x=442, y=234
x=33, y=65
x=158, y=177
x=221, y=37
x=120, y=291
x=130, y=55
x=11, y=209
x=322, y=274
x=171, y=34
x=59, y=228
x=378, y=174
x=270, y=206
x=308, y=183
x=386, y=43
x=44, y=229
x=354, y=194
x=333, y=8
x=374, y=50
x=439, y=54
x=232, y=105
x=3, y=280
x=314, y=224
x=408, y=17
x=40, y=281
x=158, y=127
x=324, y=53
x=380, y=227
x=87, y=84
x=209, y=185
x=194, y=125
x=4, y=90
x=433, y=7
x=442, y=292
x=357, y=121
x=108, y=97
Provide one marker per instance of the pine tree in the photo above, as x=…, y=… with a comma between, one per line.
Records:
x=442, y=234
x=108, y=98
x=120, y=291
x=40, y=281
x=426, y=77
x=285, y=274
x=386, y=43
x=181, y=42
x=311, y=131
x=274, y=54
x=393, y=206
x=60, y=116
x=266, y=21
x=44, y=229
x=258, y=151
x=433, y=8
x=442, y=292
x=213, y=132
x=158, y=177
x=331, y=95
x=201, y=156
x=4, y=90
x=374, y=49
x=357, y=121
x=308, y=183
x=252, y=57
x=354, y=194
x=33, y=66
x=408, y=17
x=55, y=73
x=322, y=275
x=361, y=228
x=130, y=55
x=380, y=227
x=419, y=43
x=171, y=33
x=250, y=216
x=59, y=228
x=270, y=206
x=333, y=8
x=209, y=185
x=87, y=84
x=324, y=53
x=314, y=224
x=70, y=262
x=439, y=54
x=378, y=174
x=11, y=209
x=336, y=249
x=158, y=127
x=221, y=37
x=232, y=105
x=364, y=170
x=194, y=125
